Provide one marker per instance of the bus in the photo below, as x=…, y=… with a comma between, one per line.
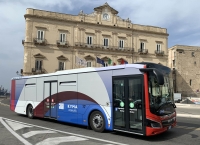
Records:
x=134, y=98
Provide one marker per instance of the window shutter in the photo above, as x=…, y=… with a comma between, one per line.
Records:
x=42, y=35
x=87, y=40
x=40, y=65
x=63, y=37
x=90, y=40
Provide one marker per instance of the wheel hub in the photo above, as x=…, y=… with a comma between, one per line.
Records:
x=97, y=121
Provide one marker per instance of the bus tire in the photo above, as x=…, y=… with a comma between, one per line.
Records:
x=97, y=122
x=30, y=112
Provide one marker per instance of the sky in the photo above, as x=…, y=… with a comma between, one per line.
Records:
x=179, y=17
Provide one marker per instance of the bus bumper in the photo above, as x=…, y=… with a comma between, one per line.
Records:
x=154, y=131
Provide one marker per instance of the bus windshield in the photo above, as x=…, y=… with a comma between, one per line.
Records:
x=159, y=95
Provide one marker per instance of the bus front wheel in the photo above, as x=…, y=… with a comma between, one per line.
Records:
x=97, y=122
x=30, y=111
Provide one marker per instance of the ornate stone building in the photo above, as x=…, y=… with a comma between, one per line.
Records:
x=53, y=40
x=185, y=63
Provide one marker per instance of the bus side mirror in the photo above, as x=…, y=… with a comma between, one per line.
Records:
x=159, y=76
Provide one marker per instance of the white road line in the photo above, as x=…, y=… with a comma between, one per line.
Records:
x=14, y=133
x=88, y=137
x=57, y=140
x=16, y=126
x=32, y=133
x=188, y=115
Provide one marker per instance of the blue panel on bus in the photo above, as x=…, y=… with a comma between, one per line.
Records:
x=67, y=117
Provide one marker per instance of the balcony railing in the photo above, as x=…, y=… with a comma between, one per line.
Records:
x=142, y=51
x=100, y=46
x=40, y=41
x=38, y=71
x=62, y=43
x=159, y=52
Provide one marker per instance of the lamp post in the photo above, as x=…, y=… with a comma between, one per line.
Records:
x=19, y=74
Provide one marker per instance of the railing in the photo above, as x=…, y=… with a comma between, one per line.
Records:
x=142, y=51
x=40, y=41
x=100, y=46
x=38, y=71
x=159, y=52
x=62, y=43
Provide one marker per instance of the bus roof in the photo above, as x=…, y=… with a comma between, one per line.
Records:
x=83, y=70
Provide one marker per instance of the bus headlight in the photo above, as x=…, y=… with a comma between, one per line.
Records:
x=153, y=124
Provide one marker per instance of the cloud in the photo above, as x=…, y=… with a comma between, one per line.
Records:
x=179, y=17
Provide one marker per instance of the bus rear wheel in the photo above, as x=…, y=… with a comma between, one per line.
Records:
x=30, y=111
x=97, y=122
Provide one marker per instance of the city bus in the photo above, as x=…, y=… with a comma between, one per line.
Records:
x=134, y=98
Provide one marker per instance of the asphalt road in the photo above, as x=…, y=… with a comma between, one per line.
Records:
x=26, y=131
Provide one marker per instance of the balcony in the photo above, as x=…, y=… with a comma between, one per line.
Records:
x=38, y=41
x=38, y=71
x=62, y=43
x=142, y=51
x=100, y=46
x=159, y=52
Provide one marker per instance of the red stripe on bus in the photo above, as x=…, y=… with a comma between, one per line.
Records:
x=12, y=101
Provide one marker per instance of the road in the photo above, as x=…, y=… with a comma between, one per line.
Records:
x=18, y=129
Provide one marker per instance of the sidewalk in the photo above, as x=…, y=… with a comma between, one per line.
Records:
x=178, y=105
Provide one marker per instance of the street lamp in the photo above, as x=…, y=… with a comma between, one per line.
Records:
x=19, y=74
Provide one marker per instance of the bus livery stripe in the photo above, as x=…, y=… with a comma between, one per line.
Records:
x=12, y=101
x=41, y=110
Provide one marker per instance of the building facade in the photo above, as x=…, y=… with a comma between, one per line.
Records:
x=185, y=63
x=53, y=40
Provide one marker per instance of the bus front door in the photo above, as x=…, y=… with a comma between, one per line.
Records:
x=128, y=104
x=50, y=99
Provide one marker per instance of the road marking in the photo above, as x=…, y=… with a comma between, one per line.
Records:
x=16, y=126
x=32, y=133
x=190, y=128
x=4, y=104
x=188, y=115
x=14, y=133
x=73, y=134
x=57, y=140
x=181, y=126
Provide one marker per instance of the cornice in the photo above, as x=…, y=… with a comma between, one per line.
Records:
x=94, y=24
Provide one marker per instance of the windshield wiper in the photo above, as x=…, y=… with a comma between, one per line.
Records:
x=169, y=102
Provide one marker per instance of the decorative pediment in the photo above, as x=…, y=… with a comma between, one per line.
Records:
x=120, y=59
x=105, y=58
x=39, y=56
x=106, y=6
x=62, y=58
x=89, y=57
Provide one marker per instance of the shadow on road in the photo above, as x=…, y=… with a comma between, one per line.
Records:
x=170, y=134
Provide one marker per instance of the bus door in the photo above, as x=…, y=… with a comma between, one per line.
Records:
x=50, y=99
x=128, y=104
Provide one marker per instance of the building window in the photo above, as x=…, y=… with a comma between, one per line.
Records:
x=121, y=43
x=190, y=82
x=106, y=64
x=105, y=42
x=89, y=40
x=61, y=65
x=192, y=54
x=38, y=65
x=89, y=64
x=142, y=45
x=62, y=37
x=173, y=63
x=40, y=35
x=158, y=47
